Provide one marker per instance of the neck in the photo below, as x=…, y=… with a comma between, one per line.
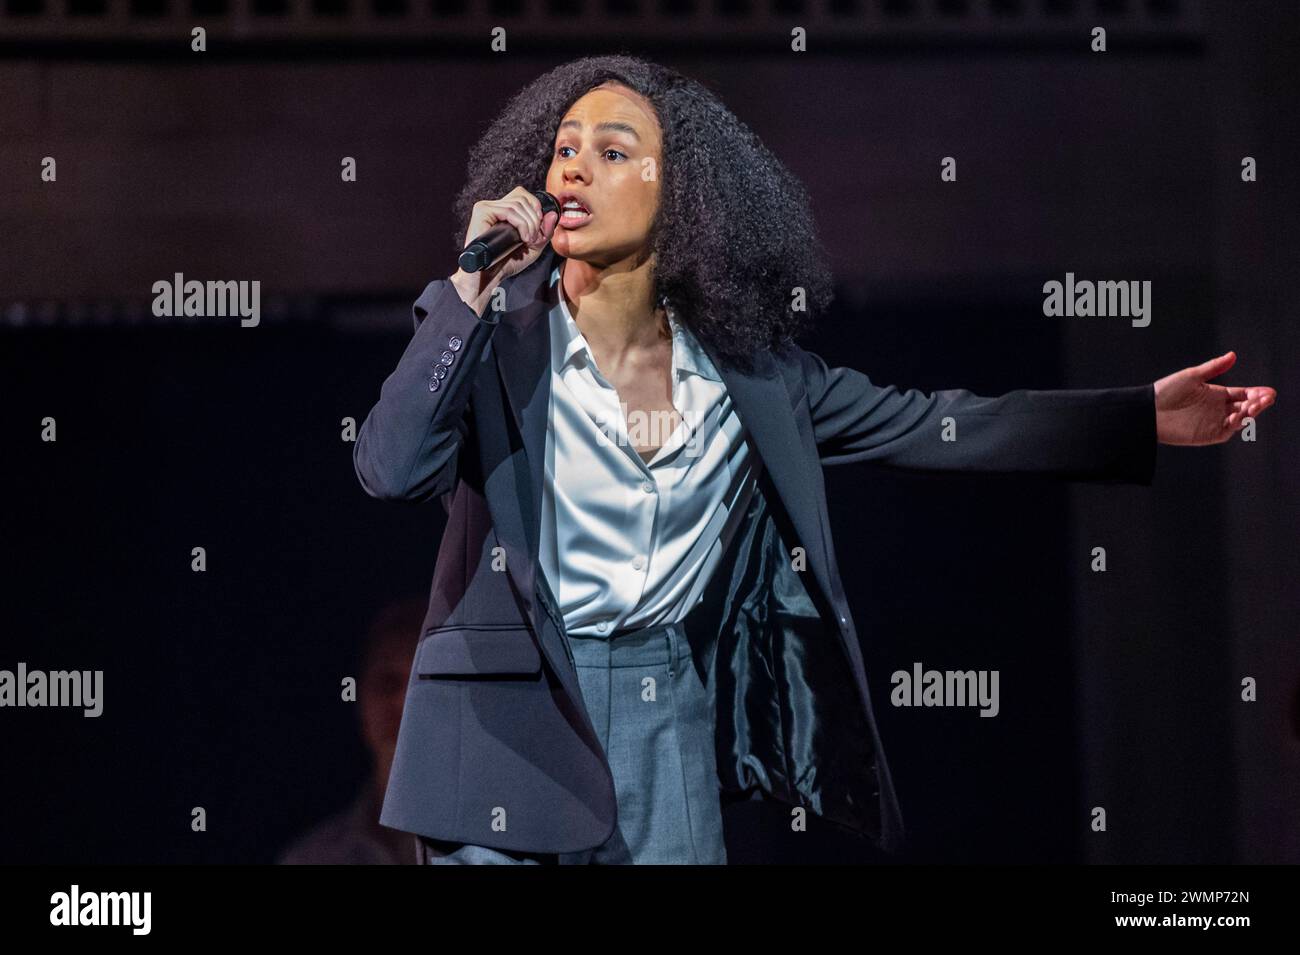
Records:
x=613, y=306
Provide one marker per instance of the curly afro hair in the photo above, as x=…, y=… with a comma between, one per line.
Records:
x=733, y=236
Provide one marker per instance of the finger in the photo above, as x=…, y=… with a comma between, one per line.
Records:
x=517, y=214
x=1259, y=402
x=546, y=228
x=539, y=237
x=520, y=194
x=1249, y=410
x=487, y=213
x=532, y=209
x=1250, y=395
x=1215, y=366
x=518, y=218
x=497, y=213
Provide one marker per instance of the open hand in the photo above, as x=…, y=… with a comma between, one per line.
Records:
x=1191, y=411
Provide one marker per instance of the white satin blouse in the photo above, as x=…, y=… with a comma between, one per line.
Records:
x=625, y=543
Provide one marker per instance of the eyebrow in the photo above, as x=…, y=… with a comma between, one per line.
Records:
x=611, y=127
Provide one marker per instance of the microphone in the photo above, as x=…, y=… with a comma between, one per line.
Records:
x=500, y=240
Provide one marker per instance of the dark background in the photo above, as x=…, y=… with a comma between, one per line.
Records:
x=1118, y=690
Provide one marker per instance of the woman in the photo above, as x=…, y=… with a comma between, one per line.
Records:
x=636, y=607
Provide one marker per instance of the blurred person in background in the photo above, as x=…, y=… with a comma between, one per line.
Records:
x=354, y=835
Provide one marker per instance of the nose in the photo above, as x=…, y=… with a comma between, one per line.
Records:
x=575, y=172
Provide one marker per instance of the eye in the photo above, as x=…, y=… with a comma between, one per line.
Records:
x=561, y=149
x=615, y=152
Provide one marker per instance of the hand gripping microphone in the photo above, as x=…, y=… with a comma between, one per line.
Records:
x=500, y=240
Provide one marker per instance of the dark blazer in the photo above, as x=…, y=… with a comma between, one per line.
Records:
x=496, y=747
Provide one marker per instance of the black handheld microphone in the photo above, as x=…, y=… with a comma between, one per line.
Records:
x=500, y=240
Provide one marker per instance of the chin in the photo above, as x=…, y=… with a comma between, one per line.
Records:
x=562, y=242
x=584, y=251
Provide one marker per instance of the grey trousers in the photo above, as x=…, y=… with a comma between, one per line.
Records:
x=651, y=701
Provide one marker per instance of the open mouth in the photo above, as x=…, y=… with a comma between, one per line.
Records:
x=573, y=211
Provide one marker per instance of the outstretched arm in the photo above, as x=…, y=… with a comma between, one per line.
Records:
x=1103, y=434
x=1106, y=434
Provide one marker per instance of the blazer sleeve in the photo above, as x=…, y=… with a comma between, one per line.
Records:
x=408, y=446
x=1107, y=435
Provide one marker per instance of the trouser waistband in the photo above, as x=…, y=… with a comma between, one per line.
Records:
x=661, y=643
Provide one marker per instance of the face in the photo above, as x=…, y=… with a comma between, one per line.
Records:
x=607, y=155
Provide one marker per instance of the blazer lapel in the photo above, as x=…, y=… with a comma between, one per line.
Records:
x=523, y=355
x=763, y=403
x=521, y=348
